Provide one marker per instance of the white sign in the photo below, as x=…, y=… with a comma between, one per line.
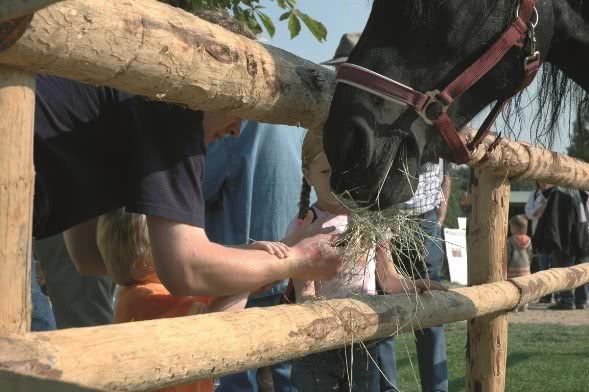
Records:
x=456, y=254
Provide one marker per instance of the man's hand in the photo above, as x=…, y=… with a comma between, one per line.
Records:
x=315, y=258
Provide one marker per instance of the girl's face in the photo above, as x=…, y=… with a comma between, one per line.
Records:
x=317, y=176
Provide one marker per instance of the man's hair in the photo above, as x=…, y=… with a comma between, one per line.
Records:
x=221, y=17
x=519, y=222
x=123, y=241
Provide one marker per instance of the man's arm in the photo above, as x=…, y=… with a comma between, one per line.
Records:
x=80, y=241
x=443, y=209
x=187, y=263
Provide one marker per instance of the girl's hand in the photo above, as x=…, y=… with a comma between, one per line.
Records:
x=425, y=285
x=277, y=249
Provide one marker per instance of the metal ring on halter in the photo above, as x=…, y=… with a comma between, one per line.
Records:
x=433, y=99
x=532, y=22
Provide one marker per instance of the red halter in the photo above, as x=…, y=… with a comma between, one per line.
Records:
x=433, y=105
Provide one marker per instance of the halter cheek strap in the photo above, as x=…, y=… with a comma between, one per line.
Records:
x=432, y=106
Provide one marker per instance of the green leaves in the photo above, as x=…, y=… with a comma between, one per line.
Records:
x=250, y=12
x=294, y=26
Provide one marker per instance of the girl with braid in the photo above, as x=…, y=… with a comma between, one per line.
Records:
x=328, y=371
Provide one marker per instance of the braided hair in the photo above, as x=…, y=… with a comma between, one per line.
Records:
x=312, y=148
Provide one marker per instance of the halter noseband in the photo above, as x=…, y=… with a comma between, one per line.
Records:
x=433, y=105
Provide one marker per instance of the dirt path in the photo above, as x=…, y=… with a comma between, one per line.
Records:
x=539, y=314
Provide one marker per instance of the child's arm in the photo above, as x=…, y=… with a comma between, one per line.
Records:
x=392, y=282
x=304, y=290
x=228, y=303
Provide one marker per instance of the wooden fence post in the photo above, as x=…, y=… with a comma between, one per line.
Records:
x=486, y=353
x=17, y=105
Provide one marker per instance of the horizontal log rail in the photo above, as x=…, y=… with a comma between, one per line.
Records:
x=523, y=161
x=149, y=48
x=154, y=354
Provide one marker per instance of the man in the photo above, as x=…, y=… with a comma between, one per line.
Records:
x=98, y=149
x=251, y=188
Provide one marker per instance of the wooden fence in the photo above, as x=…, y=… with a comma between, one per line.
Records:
x=151, y=49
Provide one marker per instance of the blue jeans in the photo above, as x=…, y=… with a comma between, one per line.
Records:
x=247, y=381
x=386, y=361
x=430, y=342
x=42, y=318
x=577, y=296
x=341, y=370
x=545, y=263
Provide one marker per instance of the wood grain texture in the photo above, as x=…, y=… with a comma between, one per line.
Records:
x=17, y=106
x=149, y=48
x=486, y=354
x=153, y=354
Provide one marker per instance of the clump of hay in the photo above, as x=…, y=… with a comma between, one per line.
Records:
x=393, y=228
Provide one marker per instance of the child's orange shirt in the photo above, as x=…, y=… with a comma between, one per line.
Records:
x=151, y=301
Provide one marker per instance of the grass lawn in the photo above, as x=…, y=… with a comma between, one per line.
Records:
x=541, y=358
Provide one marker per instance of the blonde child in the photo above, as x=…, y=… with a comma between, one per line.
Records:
x=329, y=371
x=123, y=241
x=519, y=250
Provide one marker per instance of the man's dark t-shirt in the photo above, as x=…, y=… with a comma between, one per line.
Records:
x=97, y=149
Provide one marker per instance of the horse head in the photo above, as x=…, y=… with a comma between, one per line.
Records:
x=375, y=144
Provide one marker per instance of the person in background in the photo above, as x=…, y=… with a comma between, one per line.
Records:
x=251, y=188
x=562, y=232
x=519, y=251
x=534, y=209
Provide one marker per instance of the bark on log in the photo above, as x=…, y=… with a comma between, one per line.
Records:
x=522, y=161
x=159, y=353
x=486, y=353
x=152, y=49
x=10, y=9
x=17, y=105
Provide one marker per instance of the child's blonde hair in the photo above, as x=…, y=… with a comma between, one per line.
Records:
x=123, y=241
x=312, y=148
x=519, y=222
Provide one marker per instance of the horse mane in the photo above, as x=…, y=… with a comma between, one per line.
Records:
x=556, y=95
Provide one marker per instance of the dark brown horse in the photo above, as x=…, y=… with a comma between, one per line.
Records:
x=375, y=145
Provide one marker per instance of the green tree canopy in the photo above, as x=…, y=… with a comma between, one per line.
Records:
x=251, y=12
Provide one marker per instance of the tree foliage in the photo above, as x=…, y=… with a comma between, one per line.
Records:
x=579, y=147
x=251, y=12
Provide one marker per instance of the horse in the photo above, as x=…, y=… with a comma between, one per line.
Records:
x=423, y=69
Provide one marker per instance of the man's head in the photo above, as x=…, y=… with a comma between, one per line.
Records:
x=346, y=44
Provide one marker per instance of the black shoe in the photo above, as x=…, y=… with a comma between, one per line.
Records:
x=560, y=306
x=581, y=306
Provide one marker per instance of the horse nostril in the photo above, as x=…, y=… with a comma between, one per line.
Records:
x=362, y=142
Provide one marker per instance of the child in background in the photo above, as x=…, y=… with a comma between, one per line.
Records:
x=328, y=371
x=519, y=250
x=123, y=241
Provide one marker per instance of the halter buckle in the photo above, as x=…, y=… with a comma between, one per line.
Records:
x=433, y=96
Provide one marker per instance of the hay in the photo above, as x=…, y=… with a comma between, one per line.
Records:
x=392, y=228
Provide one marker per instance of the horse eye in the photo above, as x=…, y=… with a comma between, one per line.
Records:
x=377, y=101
